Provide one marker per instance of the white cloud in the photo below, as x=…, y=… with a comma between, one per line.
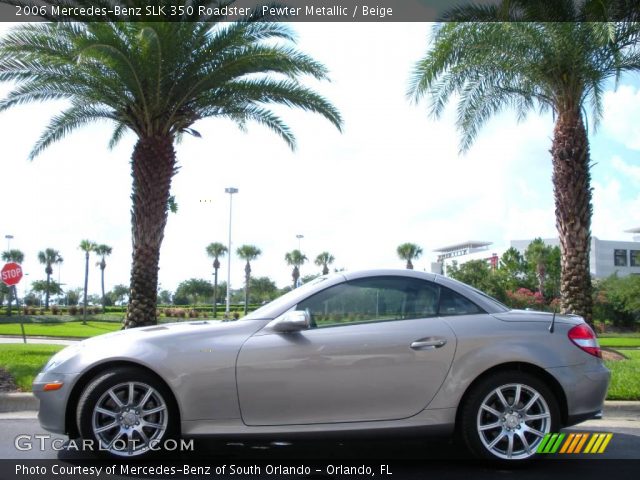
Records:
x=631, y=172
x=612, y=213
x=621, y=113
x=393, y=176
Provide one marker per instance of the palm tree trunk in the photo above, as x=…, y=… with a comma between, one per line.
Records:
x=295, y=274
x=10, y=300
x=15, y=296
x=86, y=285
x=247, y=276
x=540, y=273
x=46, y=295
x=215, y=293
x=102, y=285
x=572, y=193
x=153, y=164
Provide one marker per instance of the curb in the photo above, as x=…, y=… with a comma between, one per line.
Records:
x=18, y=402
x=42, y=337
x=622, y=409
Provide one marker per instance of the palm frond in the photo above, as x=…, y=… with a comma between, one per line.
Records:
x=118, y=133
x=491, y=65
x=67, y=121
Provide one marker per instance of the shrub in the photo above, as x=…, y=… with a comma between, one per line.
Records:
x=55, y=310
x=73, y=310
x=525, y=298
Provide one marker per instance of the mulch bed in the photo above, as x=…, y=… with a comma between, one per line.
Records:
x=610, y=354
x=7, y=383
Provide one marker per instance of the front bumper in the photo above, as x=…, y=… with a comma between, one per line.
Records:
x=53, y=403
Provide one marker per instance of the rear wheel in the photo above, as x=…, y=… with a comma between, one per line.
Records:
x=126, y=413
x=506, y=416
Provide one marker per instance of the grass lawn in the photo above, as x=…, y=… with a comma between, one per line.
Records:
x=625, y=377
x=24, y=362
x=73, y=327
x=619, y=342
x=61, y=329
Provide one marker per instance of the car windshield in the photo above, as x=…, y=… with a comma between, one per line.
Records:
x=266, y=310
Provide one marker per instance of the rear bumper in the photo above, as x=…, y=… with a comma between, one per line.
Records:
x=585, y=387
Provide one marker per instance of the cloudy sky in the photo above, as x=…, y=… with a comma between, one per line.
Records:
x=394, y=175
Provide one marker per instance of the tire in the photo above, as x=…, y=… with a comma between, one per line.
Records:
x=506, y=416
x=126, y=413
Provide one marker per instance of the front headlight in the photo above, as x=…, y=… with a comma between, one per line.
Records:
x=61, y=357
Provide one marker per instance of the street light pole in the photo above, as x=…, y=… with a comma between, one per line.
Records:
x=299, y=237
x=230, y=191
x=9, y=238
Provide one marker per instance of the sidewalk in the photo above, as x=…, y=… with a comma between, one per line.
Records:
x=40, y=340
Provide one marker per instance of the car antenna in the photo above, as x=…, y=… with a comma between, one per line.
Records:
x=553, y=321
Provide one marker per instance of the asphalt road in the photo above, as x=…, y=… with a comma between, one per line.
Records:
x=405, y=458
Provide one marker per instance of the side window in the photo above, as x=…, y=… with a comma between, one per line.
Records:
x=620, y=258
x=452, y=303
x=373, y=299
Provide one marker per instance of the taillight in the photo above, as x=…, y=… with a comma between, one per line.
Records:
x=583, y=337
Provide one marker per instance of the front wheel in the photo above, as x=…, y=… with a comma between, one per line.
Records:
x=126, y=413
x=506, y=416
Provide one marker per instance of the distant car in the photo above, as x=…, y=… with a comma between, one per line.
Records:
x=363, y=352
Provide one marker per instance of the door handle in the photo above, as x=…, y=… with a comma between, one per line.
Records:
x=428, y=343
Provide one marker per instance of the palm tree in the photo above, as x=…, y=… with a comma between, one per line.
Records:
x=156, y=79
x=551, y=59
x=248, y=253
x=408, y=252
x=18, y=257
x=295, y=258
x=102, y=251
x=537, y=255
x=216, y=250
x=48, y=258
x=323, y=260
x=87, y=246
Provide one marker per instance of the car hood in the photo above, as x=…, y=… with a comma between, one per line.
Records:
x=173, y=331
x=535, y=316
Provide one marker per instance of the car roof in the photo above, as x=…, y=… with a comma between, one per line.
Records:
x=282, y=304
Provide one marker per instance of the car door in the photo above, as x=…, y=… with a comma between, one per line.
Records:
x=377, y=351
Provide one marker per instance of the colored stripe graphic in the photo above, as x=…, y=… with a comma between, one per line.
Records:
x=574, y=443
x=550, y=443
x=598, y=443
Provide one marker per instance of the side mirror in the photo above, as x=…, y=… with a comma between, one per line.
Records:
x=294, y=321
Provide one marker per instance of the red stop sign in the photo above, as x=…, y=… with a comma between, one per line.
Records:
x=11, y=273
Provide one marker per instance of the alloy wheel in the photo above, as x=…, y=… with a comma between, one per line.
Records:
x=129, y=419
x=512, y=421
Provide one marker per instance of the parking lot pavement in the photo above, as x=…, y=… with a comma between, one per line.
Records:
x=625, y=444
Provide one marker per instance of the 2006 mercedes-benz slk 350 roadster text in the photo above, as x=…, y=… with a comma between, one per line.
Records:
x=370, y=351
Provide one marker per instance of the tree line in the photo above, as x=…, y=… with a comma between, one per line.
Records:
x=157, y=79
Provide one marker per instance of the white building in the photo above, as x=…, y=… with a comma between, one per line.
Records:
x=462, y=253
x=606, y=257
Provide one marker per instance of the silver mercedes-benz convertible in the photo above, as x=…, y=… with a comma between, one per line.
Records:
x=369, y=352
